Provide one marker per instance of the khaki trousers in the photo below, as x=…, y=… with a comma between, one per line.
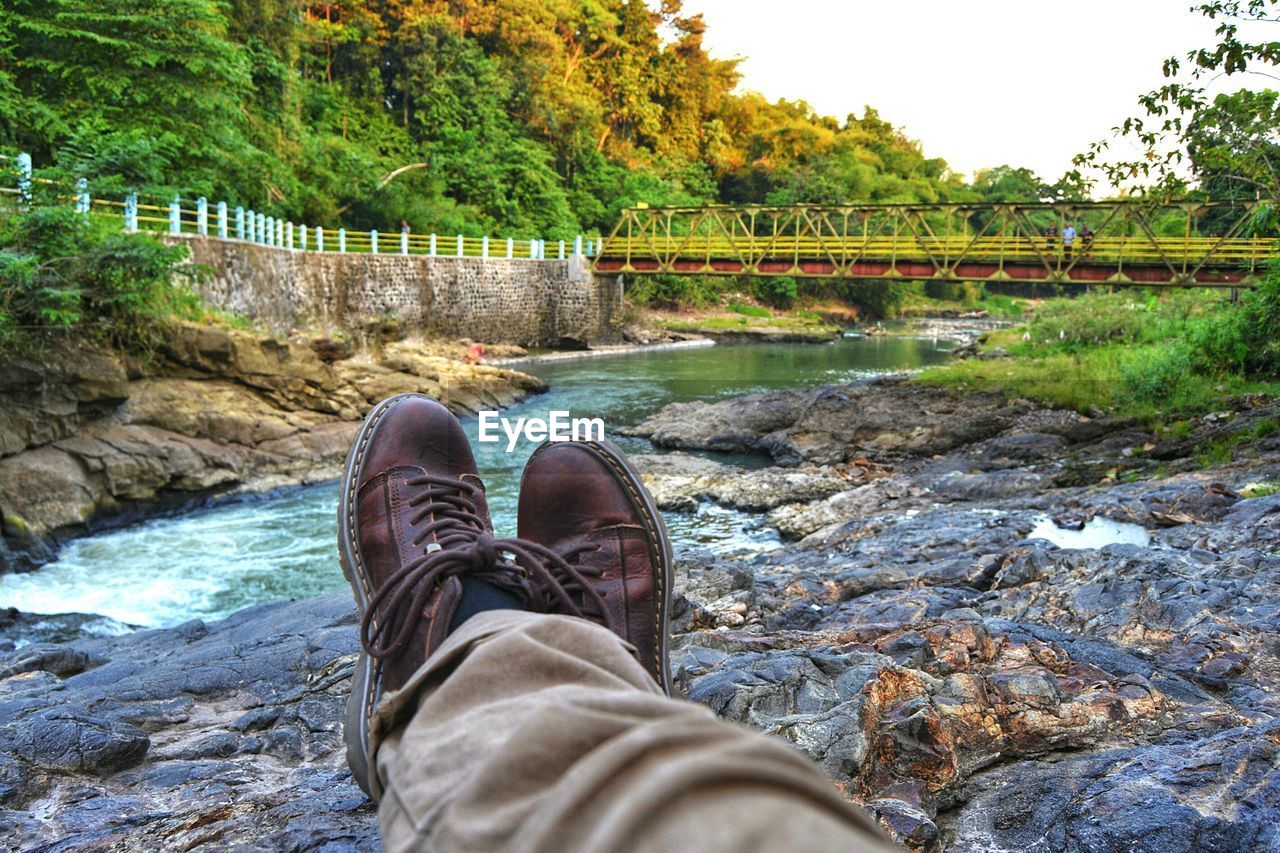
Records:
x=531, y=732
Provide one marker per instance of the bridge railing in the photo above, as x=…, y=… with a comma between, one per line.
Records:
x=198, y=217
x=1184, y=242
x=1131, y=249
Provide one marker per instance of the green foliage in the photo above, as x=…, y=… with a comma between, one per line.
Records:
x=778, y=291
x=673, y=291
x=877, y=299
x=62, y=272
x=1144, y=355
x=1259, y=490
x=1001, y=305
x=967, y=292
x=475, y=116
x=1245, y=338
x=1126, y=317
x=1229, y=142
x=1152, y=375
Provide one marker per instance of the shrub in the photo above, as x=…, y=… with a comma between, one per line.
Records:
x=967, y=292
x=672, y=291
x=877, y=299
x=778, y=291
x=1089, y=321
x=64, y=272
x=1152, y=375
x=1246, y=337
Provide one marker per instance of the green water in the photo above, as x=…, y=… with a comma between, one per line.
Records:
x=209, y=563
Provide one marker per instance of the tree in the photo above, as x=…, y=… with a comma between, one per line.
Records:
x=142, y=75
x=1170, y=123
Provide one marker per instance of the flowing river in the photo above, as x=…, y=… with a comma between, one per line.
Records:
x=208, y=563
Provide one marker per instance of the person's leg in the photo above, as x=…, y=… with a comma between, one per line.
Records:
x=535, y=732
x=511, y=694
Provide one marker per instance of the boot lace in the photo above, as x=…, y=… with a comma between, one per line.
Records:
x=540, y=578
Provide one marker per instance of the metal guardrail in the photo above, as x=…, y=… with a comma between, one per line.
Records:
x=1128, y=243
x=239, y=223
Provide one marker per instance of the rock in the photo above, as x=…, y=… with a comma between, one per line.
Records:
x=43, y=657
x=56, y=627
x=72, y=742
x=678, y=480
x=48, y=400
x=222, y=410
x=228, y=732
x=834, y=423
x=767, y=334
x=976, y=690
x=1218, y=794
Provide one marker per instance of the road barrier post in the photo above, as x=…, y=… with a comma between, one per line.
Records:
x=24, y=180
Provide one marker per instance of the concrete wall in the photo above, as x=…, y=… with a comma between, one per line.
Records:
x=530, y=303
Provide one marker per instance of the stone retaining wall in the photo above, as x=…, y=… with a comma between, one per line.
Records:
x=530, y=303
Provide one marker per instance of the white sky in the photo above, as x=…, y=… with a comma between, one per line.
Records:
x=981, y=83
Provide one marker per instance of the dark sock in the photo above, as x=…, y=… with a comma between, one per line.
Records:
x=477, y=597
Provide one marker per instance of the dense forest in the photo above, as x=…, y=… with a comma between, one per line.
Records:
x=510, y=117
x=515, y=118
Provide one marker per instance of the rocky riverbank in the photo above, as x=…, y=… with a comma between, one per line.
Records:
x=90, y=439
x=976, y=688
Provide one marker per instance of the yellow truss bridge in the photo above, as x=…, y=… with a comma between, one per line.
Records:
x=1183, y=243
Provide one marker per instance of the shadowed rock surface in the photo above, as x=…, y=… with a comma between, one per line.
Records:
x=227, y=734
x=976, y=689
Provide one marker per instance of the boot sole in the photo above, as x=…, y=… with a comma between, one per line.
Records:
x=365, y=680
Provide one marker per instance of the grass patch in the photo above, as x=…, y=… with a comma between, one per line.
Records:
x=1259, y=490
x=743, y=316
x=1132, y=353
x=707, y=323
x=749, y=310
x=1115, y=378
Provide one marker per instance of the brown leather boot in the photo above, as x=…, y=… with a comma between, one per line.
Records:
x=411, y=519
x=413, y=535
x=584, y=501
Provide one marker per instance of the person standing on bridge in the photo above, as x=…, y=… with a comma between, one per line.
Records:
x=1051, y=236
x=1068, y=237
x=514, y=694
x=1086, y=237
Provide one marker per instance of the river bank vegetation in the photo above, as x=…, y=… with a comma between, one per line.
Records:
x=1151, y=355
